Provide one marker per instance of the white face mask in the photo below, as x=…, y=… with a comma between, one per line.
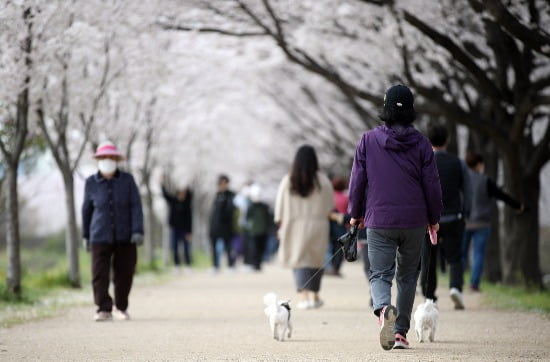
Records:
x=106, y=166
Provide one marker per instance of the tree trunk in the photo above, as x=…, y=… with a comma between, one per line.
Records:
x=71, y=238
x=529, y=233
x=149, y=224
x=520, y=242
x=13, y=239
x=493, y=265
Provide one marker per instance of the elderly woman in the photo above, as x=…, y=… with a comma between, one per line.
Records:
x=303, y=204
x=112, y=227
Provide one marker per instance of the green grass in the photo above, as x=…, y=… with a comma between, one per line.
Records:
x=508, y=297
x=516, y=298
x=45, y=287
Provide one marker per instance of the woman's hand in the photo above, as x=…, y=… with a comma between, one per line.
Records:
x=336, y=217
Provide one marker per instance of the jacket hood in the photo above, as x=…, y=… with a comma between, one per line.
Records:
x=398, y=138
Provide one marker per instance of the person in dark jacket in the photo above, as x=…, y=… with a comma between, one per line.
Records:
x=258, y=223
x=394, y=191
x=112, y=227
x=457, y=194
x=478, y=224
x=180, y=219
x=221, y=223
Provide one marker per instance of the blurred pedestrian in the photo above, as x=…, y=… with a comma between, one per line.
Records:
x=241, y=242
x=180, y=220
x=338, y=226
x=394, y=191
x=258, y=220
x=457, y=196
x=304, y=201
x=478, y=225
x=112, y=227
x=222, y=223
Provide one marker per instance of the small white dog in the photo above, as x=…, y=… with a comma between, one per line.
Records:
x=279, y=316
x=425, y=318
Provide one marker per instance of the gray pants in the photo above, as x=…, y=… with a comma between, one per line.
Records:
x=384, y=246
x=308, y=279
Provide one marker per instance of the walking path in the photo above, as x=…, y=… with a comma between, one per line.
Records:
x=202, y=317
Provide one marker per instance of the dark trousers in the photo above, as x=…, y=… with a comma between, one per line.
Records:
x=336, y=230
x=122, y=257
x=450, y=238
x=248, y=249
x=177, y=238
x=228, y=250
x=258, y=244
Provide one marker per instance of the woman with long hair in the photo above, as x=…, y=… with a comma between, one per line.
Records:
x=304, y=201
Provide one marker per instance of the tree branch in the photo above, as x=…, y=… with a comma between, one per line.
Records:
x=541, y=155
x=5, y=153
x=536, y=39
x=200, y=29
x=300, y=57
x=541, y=100
x=47, y=136
x=458, y=54
x=439, y=106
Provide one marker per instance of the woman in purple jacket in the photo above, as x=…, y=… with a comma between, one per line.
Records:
x=395, y=193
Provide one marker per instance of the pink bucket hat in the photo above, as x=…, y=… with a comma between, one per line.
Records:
x=107, y=149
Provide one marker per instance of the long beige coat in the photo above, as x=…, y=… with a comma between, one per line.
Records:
x=304, y=225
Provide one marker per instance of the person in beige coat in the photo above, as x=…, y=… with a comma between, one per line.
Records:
x=304, y=201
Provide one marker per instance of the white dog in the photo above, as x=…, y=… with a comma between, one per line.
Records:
x=279, y=316
x=425, y=318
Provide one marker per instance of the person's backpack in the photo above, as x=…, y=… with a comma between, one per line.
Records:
x=257, y=219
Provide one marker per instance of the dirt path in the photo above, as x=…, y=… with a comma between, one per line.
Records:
x=211, y=318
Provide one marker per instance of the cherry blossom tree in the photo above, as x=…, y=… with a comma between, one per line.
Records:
x=480, y=64
x=74, y=81
x=16, y=30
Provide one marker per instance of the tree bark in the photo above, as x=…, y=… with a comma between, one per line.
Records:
x=493, y=264
x=13, y=239
x=71, y=239
x=529, y=234
x=520, y=246
x=150, y=224
x=13, y=236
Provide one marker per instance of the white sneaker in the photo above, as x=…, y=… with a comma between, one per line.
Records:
x=303, y=305
x=120, y=315
x=456, y=297
x=316, y=303
x=103, y=316
x=247, y=268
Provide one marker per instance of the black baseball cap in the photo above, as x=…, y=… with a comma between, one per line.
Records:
x=398, y=97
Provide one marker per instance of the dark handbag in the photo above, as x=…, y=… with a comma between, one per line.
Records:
x=348, y=241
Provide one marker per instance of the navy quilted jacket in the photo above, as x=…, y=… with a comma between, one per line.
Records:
x=111, y=211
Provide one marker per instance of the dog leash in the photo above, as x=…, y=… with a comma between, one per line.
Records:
x=340, y=249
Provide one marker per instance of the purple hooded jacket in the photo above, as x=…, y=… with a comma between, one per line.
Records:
x=394, y=181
